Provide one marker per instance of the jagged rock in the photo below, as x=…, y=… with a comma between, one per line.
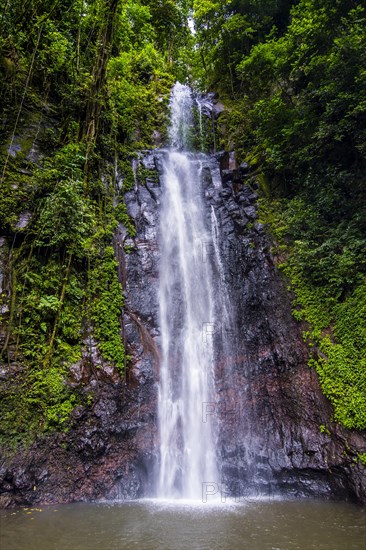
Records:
x=148, y=161
x=242, y=198
x=226, y=193
x=259, y=228
x=151, y=184
x=232, y=206
x=253, y=197
x=241, y=221
x=206, y=103
x=217, y=109
x=244, y=168
x=23, y=221
x=250, y=212
x=206, y=176
x=227, y=175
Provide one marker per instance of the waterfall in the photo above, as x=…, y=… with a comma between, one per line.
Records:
x=223, y=302
x=200, y=118
x=187, y=319
x=181, y=122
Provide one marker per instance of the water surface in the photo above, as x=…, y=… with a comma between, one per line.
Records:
x=151, y=525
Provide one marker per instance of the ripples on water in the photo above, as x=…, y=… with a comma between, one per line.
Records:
x=167, y=525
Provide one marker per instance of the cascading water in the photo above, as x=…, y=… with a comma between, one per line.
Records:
x=200, y=118
x=226, y=314
x=186, y=301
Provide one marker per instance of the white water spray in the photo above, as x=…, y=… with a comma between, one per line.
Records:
x=200, y=116
x=187, y=449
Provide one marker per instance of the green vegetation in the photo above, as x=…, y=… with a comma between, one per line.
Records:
x=329, y=288
x=106, y=308
x=82, y=87
x=296, y=91
x=362, y=458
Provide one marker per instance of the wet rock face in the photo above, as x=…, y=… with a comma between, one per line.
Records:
x=104, y=456
x=268, y=408
x=110, y=450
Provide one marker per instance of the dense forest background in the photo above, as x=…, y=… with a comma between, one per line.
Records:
x=85, y=85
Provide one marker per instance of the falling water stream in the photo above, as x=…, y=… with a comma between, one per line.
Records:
x=186, y=299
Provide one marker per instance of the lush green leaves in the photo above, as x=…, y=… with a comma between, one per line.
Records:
x=300, y=122
x=326, y=267
x=82, y=85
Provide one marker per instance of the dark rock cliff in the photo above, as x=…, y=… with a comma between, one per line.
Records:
x=277, y=436
x=269, y=405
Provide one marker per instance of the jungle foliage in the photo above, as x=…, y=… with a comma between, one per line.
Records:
x=296, y=92
x=83, y=85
